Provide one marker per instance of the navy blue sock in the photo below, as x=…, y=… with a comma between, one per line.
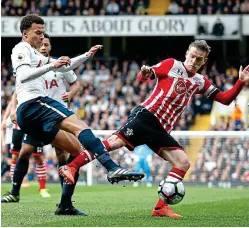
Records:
x=68, y=189
x=20, y=171
x=61, y=177
x=94, y=144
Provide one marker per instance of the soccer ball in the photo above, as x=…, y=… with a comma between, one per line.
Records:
x=171, y=191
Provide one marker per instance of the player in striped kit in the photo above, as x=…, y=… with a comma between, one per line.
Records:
x=153, y=120
x=7, y=130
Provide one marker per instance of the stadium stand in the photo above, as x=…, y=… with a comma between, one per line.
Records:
x=222, y=161
x=120, y=7
x=184, y=7
x=77, y=7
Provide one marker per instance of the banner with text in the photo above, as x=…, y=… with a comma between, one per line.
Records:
x=109, y=26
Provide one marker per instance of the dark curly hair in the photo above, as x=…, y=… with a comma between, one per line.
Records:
x=28, y=20
x=47, y=36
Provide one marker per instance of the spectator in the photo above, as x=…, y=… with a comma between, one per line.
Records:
x=232, y=71
x=173, y=8
x=236, y=116
x=245, y=6
x=122, y=7
x=85, y=10
x=112, y=8
x=218, y=29
x=219, y=6
x=96, y=6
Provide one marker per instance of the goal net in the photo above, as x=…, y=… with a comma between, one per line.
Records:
x=218, y=158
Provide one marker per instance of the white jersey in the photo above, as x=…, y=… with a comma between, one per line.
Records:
x=55, y=84
x=9, y=131
x=24, y=54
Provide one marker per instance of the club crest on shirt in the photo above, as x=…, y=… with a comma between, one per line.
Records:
x=129, y=132
x=180, y=87
x=20, y=57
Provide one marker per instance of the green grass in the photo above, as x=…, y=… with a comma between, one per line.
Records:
x=127, y=206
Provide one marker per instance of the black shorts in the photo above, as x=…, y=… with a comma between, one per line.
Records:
x=142, y=127
x=18, y=137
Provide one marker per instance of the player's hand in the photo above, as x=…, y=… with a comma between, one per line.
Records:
x=244, y=74
x=63, y=61
x=66, y=97
x=13, y=116
x=93, y=50
x=146, y=72
x=66, y=58
x=4, y=125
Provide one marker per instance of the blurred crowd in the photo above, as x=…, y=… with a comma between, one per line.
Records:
x=110, y=90
x=119, y=7
x=223, y=160
x=73, y=7
x=200, y=7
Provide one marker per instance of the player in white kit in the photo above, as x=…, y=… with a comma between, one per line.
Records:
x=56, y=88
x=42, y=117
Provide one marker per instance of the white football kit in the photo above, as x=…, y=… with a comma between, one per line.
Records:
x=55, y=84
x=24, y=54
x=29, y=67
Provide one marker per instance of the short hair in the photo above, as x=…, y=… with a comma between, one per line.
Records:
x=48, y=37
x=28, y=20
x=202, y=45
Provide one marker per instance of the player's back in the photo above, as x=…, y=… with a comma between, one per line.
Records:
x=24, y=54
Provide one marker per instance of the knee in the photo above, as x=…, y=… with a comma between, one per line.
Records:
x=185, y=163
x=25, y=154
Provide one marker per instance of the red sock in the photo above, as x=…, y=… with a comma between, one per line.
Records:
x=42, y=182
x=160, y=204
x=176, y=173
x=107, y=145
x=82, y=159
x=41, y=174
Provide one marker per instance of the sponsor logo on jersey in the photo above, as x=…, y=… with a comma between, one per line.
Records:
x=129, y=132
x=180, y=87
x=20, y=57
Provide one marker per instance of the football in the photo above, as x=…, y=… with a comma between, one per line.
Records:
x=171, y=191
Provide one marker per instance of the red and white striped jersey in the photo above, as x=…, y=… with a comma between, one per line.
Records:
x=173, y=90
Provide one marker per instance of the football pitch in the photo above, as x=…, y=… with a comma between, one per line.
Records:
x=127, y=206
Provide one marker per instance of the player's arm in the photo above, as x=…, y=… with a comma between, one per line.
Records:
x=21, y=61
x=74, y=86
x=228, y=96
x=159, y=70
x=77, y=61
